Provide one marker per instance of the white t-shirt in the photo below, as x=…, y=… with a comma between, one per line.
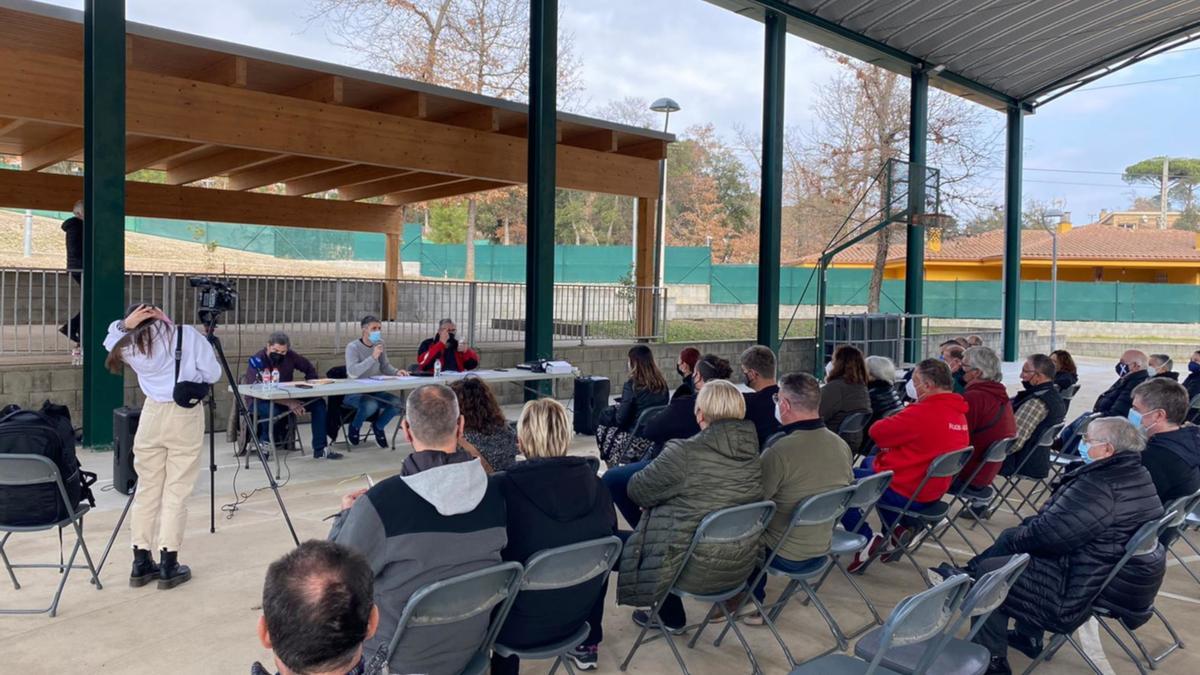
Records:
x=156, y=371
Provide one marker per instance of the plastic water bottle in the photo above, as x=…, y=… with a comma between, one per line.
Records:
x=437, y=368
x=274, y=378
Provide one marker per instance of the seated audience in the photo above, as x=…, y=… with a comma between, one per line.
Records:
x=1192, y=381
x=1036, y=408
x=279, y=355
x=552, y=500
x=808, y=460
x=1161, y=366
x=952, y=353
x=758, y=369
x=845, y=391
x=367, y=358
x=318, y=609
x=881, y=387
x=1066, y=373
x=685, y=366
x=485, y=429
x=715, y=469
x=448, y=519
x=678, y=421
x=645, y=388
x=908, y=443
x=989, y=413
x=1132, y=370
x=974, y=341
x=1172, y=454
x=443, y=347
x=1074, y=541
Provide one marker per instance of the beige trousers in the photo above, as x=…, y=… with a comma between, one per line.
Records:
x=166, y=455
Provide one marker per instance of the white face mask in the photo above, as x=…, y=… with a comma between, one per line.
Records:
x=828, y=369
x=778, y=414
x=911, y=390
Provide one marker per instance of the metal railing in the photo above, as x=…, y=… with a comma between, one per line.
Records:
x=324, y=313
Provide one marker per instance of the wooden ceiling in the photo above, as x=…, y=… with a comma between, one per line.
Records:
x=280, y=130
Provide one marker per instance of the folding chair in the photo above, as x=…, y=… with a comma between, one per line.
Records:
x=772, y=438
x=29, y=470
x=951, y=655
x=455, y=600
x=1191, y=519
x=1012, y=483
x=1143, y=542
x=742, y=525
x=1069, y=393
x=867, y=492
x=822, y=509
x=854, y=424
x=564, y=567
x=1176, y=513
x=1194, y=409
x=918, y=618
x=945, y=466
x=1059, y=461
x=967, y=496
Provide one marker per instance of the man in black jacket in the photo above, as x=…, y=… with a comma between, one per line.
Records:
x=1172, y=454
x=73, y=229
x=1192, y=382
x=758, y=367
x=1132, y=370
x=279, y=355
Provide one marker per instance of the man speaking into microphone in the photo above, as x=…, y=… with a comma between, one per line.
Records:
x=444, y=348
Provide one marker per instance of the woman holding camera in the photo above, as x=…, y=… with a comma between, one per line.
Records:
x=175, y=366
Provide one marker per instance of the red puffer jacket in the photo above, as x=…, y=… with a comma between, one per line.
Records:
x=989, y=418
x=912, y=438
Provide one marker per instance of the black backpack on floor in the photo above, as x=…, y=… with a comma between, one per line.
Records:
x=47, y=432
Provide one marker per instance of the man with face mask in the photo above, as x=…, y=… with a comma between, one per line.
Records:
x=1131, y=370
x=445, y=348
x=758, y=369
x=365, y=358
x=1192, y=381
x=1172, y=454
x=279, y=355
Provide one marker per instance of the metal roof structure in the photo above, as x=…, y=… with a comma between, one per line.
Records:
x=998, y=53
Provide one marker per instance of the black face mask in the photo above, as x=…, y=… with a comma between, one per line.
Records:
x=275, y=357
x=1121, y=369
x=452, y=341
x=680, y=371
x=1027, y=384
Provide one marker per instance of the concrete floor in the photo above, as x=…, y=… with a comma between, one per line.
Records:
x=208, y=624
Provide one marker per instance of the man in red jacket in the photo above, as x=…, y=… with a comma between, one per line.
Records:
x=444, y=347
x=909, y=441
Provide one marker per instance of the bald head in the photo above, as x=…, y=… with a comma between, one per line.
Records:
x=1135, y=360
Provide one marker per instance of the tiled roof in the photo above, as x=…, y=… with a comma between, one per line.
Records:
x=1086, y=242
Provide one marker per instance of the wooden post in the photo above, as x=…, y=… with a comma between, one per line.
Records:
x=392, y=272
x=643, y=269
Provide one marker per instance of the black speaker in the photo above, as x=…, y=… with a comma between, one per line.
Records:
x=125, y=423
x=591, y=398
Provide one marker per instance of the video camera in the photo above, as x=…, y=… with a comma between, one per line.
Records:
x=215, y=297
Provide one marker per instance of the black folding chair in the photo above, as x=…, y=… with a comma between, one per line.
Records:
x=557, y=568
x=455, y=600
x=741, y=525
x=30, y=470
x=819, y=510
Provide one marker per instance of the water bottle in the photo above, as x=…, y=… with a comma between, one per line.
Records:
x=437, y=368
x=274, y=378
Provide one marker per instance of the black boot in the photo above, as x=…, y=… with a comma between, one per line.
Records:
x=144, y=569
x=999, y=666
x=172, y=573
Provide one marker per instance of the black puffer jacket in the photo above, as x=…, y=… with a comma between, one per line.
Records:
x=883, y=399
x=1117, y=399
x=715, y=469
x=1076, y=539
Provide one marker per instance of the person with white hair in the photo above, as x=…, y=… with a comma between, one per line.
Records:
x=989, y=413
x=1161, y=365
x=881, y=380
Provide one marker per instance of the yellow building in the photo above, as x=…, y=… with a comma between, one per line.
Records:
x=1094, y=252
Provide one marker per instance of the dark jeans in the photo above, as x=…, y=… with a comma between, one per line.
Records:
x=511, y=665
x=365, y=405
x=616, y=479
x=316, y=410
x=71, y=328
x=784, y=565
x=853, y=520
x=994, y=633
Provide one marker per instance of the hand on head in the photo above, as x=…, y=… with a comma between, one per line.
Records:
x=142, y=314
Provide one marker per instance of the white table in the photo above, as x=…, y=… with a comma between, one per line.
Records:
x=293, y=390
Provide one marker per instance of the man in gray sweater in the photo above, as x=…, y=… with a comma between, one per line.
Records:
x=446, y=520
x=366, y=358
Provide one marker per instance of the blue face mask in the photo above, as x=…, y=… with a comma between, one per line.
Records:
x=1135, y=417
x=1193, y=367
x=1121, y=368
x=1083, y=452
x=376, y=336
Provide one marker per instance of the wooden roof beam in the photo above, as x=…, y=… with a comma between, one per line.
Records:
x=58, y=192
x=280, y=171
x=340, y=178
x=483, y=118
x=217, y=165
x=63, y=147
x=414, y=104
x=154, y=152
x=602, y=140
x=8, y=126
x=403, y=183
x=325, y=89
x=645, y=150
x=229, y=71
x=455, y=189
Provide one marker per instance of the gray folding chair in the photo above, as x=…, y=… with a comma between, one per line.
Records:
x=965, y=497
x=918, y=618
x=455, y=600
x=30, y=470
x=822, y=509
x=867, y=492
x=853, y=425
x=1040, y=485
x=772, y=438
x=1069, y=393
x=1191, y=520
x=557, y=568
x=1143, y=542
x=951, y=655
x=927, y=520
x=741, y=525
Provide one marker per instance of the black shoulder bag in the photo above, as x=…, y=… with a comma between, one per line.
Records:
x=186, y=394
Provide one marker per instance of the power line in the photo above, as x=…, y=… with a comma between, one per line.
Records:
x=1131, y=84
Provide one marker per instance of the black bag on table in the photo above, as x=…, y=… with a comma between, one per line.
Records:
x=47, y=432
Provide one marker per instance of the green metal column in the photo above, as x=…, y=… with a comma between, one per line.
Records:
x=1012, y=233
x=539, y=256
x=104, y=209
x=771, y=204
x=914, y=264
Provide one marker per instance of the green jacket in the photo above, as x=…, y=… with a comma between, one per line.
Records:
x=715, y=469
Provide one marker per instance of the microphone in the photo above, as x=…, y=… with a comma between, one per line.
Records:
x=257, y=363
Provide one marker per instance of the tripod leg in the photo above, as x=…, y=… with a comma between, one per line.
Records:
x=113, y=538
x=212, y=464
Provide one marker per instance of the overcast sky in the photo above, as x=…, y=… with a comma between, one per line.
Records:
x=709, y=60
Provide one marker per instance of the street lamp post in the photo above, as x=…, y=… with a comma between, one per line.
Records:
x=666, y=106
x=1056, y=215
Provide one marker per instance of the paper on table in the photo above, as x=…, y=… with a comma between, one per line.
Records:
x=387, y=377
